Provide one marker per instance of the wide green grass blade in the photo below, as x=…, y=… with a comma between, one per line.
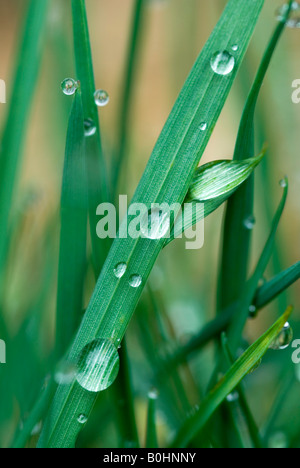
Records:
x=24, y=85
x=237, y=234
x=95, y=162
x=271, y=289
x=233, y=377
x=72, y=258
x=166, y=179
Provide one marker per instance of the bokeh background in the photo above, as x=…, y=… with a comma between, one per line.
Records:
x=184, y=282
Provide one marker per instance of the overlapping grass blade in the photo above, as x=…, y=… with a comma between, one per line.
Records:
x=233, y=377
x=24, y=85
x=151, y=434
x=72, y=258
x=211, y=186
x=95, y=162
x=271, y=289
x=236, y=236
x=166, y=179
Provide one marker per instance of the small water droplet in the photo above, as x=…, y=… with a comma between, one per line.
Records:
x=65, y=373
x=69, y=86
x=255, y=367
x=82, y=419
x=252, y=310
x=283, y=183
x=98, y=365
x=153, y=394
x=232, y=397
x=89, y=127
x=294, y=18
x=249, y=223
x=120, y=270
x=235, y=47
x=156, y=223
x=203, y=126
x=37, y=429
x=222, y=62
x=284, y=338
x=101, y=98
x=135, y=281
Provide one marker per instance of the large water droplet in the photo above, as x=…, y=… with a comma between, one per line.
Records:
x=89, y=127
x=135, y=281
x=120, y=270
x=101, y=98
x=222, y=62
x=249, y=223
x=284, y=338
x=98, y=365
x=82, y=419
x=294, y=18
x=65, y=373
x=69, y=86
x=155, y=224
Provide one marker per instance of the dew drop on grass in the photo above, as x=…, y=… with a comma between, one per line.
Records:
x=82, y=419
x=89, y=128
x=135, y=281
x=283, y=339
x=235, y=47
x=98, y=365
x=69, y=86
x=153, y=394
x=155, y=224
x=252, y=310
x=101, y=98
x=203, y=126
x=283, y=183
x=232, y=397
x=222, y=62
x=249, y=223
x=120, y=269
x=65, y=373
x=294, y=18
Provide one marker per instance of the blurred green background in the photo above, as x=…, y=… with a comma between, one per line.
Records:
x=184, y=282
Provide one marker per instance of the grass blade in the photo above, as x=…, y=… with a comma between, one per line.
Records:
x=28, y=64
x=233, y=377
x=166, y=179
x=151, y=437
x=72, y=258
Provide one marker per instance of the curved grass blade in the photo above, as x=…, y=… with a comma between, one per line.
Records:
x=27, y=67
x=72, y=257
x=271, y=289
x=233, y=377
x=95, y=163
x=166, y=179
x=211, y=186
x=129, y=81
x=236, y=236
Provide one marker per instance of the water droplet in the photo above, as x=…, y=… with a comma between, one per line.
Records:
x=120, y=270
x=283, y=183
x=203, y=126
x=252, y=310
x=232, y=397
x=222, y=62
x=284, y=338
x=37, y=429
x=249, y=223
x=89, y=127
x=65, y=373
x=156, y=223
x=135, y=281
x=98, y=365
x=255, y=367
x=153, y=394
x=82, y=419
x=69, y=86
x=101, y=98
x=278, y=441
x=294, y=18
x=235, y=47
